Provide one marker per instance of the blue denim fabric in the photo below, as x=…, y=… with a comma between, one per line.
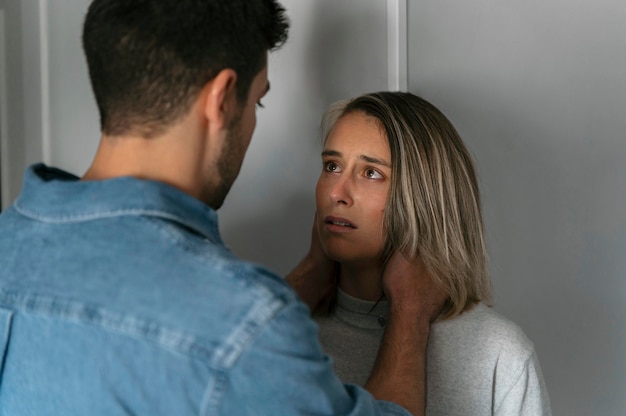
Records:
x=119, y=297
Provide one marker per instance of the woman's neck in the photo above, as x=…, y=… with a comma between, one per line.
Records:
x=361, y=281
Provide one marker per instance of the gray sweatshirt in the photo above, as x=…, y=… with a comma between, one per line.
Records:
x=478, y=363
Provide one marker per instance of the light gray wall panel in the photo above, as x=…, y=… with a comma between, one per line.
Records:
x=74, y=124
x=13, y=158
x=336, y=50
x=537, y=90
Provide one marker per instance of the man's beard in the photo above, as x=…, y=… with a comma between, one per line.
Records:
x=228, y=166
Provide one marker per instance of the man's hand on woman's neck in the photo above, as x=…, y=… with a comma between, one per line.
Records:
x=399, y=374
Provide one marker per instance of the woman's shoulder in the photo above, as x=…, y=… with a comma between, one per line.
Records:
x=485, y=329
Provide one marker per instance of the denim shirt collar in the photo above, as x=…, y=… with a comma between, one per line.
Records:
x=54, y=196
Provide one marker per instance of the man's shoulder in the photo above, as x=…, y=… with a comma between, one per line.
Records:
x=137, y=258
x=144, y=275
x=207, y=291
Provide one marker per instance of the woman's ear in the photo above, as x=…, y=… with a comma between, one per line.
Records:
x=220, y=102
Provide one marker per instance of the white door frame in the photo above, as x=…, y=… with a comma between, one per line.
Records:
x=397, y=45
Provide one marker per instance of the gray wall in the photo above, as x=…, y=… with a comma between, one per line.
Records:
x=11, y=91
x=535, y=88
x=538, y=91
x=268, y=215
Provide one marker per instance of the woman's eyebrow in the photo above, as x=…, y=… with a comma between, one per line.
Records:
x=368, y=159
x=331, y=153
x=374, y=160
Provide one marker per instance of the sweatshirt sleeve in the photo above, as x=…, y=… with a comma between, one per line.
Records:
x=528, y=395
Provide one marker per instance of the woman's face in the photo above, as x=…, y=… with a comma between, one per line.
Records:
x=352, y=189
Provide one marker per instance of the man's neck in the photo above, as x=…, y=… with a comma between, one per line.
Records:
x=176, y=157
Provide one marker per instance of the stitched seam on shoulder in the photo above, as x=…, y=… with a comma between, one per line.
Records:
x=132, y=326
x=252, y=325
x=213, y=394
x=516, y=378
x=96, y=215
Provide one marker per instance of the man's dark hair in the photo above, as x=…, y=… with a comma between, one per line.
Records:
x=148, y=59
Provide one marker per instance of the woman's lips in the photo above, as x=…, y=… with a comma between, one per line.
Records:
x=338, y=224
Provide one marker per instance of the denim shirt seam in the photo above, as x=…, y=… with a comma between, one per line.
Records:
x=124, y=324
x=183, y=241
x=139, y=213
x=239, y=341
x=243, y=335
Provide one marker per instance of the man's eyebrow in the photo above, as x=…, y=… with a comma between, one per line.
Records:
x=366, y=158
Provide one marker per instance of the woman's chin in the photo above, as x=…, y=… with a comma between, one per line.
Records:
x=343, y=257
x=334, y=256
x=342, y=252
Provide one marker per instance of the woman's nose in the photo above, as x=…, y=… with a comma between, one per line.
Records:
x=341, y=191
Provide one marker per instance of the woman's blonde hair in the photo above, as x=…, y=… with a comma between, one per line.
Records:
x=433, y=209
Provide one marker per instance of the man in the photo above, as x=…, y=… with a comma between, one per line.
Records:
x=117, y=295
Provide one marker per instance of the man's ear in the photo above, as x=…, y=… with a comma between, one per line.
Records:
x=221, y=99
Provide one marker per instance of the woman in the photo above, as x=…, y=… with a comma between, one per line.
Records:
x=396, y=177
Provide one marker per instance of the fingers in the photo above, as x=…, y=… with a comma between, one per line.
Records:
x=409, y=286
x=314, y=279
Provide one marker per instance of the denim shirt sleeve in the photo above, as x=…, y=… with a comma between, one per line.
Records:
x=285, y=372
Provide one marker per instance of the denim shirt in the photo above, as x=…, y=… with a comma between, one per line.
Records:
x=118, y=297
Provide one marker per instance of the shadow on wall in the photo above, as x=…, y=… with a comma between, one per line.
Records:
x=272, y=239
x=277, y=233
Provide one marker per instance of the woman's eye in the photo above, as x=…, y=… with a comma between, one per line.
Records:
x=331, y=167
x=259, y=104
x=373, y=174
